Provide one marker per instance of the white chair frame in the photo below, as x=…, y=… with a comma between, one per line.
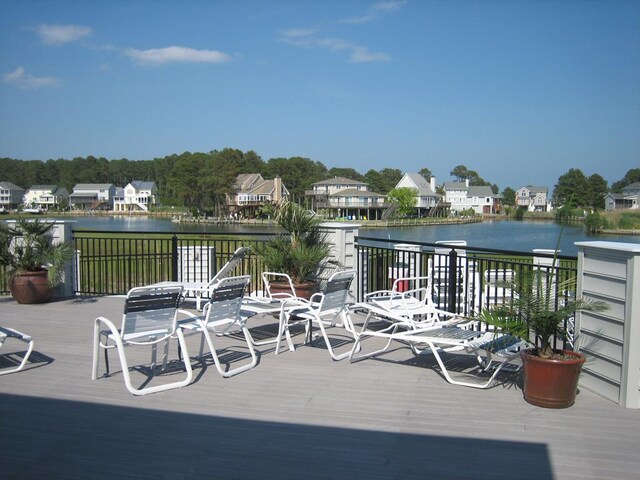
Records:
x=328, y=308
x=9, y=333
x=150, y=317
x=222, y=316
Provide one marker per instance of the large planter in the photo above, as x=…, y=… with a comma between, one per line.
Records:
x=30, y=288
x=303, y=290
x=551, y=383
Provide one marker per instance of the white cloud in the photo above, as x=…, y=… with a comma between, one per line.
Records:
x=390, y=5
x=61, y=34
x=357, y=53
x=375, y=10
x=20, y=78
x=159, y=56
x=298, y=32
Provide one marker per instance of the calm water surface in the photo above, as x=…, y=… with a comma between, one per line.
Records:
x=498, y=234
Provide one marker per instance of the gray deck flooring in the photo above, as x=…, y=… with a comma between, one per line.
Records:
x=296, y=415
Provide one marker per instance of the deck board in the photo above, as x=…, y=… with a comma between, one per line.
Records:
x=296, y=415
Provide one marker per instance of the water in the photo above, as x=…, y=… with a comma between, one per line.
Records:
x=497, y=234
x=502, y=235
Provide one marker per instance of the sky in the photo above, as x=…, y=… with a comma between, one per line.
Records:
x=518, y=91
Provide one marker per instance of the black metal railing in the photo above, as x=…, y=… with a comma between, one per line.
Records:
x=462, y=279
x=110, y=263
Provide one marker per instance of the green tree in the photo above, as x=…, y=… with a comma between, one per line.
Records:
x=460, y=172
x=349, y=173
x=426, y=173
x=405, y=198
x=297, y=173
x=384, y=180
x=597, y=190
x=631, y=176
x=572, y=189
x=509, y=196
x=185, y=179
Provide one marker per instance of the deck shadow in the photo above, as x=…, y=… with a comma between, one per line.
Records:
x=56, y=439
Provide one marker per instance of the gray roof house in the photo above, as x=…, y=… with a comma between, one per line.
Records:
x=341, y=197
x=426, y=197
x=533, y=198
x=90, y=196
x=629, y=198
x=11, y=196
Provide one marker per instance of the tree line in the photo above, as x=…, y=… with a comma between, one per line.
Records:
x=202, y=180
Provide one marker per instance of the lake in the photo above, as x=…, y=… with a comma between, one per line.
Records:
x=498, y=234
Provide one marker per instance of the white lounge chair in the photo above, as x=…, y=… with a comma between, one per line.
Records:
x=149, y=318
x=409, y=298
x=325, y=309
x=9, y=333
x=201, y=290
x=222, y=316
x=493, y=351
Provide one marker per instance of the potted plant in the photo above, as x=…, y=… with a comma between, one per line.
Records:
x=33, y=263
x=300, y=250
x=535, y=312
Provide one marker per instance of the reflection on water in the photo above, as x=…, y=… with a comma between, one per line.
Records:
x=498, y=234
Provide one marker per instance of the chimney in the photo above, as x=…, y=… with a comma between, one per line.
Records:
x=277, y=190
x=432, y=183
x=466, y=182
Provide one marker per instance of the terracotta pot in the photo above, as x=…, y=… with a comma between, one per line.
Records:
x=303, y=290
x=29, y=288
x=551, y=383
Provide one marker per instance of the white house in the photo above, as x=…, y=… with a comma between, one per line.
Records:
x=534, y=199
x=461, y=196
x=343, y=197
x=92, y=196
x=137, y=195
x=426, y=198
x=45, y=197
x=11, y=196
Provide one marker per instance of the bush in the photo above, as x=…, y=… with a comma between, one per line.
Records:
x=595, y=222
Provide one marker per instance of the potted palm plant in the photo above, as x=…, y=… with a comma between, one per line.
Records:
x=33, y=263
x=537, y=313
x=300, y=250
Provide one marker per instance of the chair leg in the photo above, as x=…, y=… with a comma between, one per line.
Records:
x=23, y=338
x=216, y=360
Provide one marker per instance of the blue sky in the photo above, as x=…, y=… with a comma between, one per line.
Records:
x=519, y=91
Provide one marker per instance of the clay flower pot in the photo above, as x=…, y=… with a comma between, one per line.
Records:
x=551, y=383
x=31, y=287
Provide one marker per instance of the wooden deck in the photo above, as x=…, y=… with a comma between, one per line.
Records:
x=296, y=415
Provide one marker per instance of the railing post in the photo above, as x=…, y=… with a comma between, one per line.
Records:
x=452, y=304
x=174, y=258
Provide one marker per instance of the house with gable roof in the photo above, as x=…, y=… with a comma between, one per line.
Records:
x=341, y=197
x=251, y=192
x=426, y=197
x=11, y=196
x=137, y=195
x=534, y=199
x=461, y=196
x=45, y=197
x=92, y=196
x=629, y=198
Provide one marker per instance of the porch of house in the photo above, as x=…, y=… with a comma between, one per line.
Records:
x=296, y=415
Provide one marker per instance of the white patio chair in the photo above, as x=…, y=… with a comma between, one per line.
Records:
x=409, y=298
x=222, y=316
x=149, y=318
x=326, y=309
x=9, y=333
x=494, y=352
x=201, y=290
